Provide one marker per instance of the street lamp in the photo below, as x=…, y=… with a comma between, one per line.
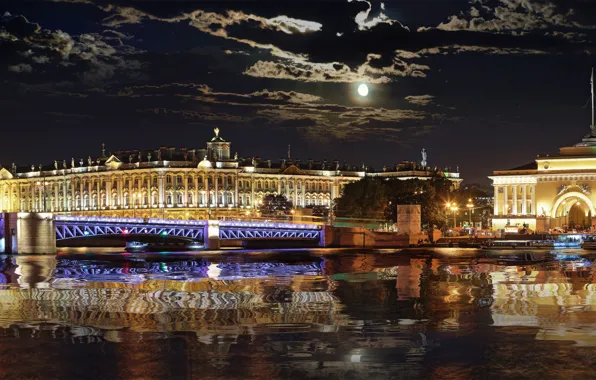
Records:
x=470, y=207
x=453, y=207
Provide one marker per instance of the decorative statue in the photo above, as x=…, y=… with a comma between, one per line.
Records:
x=130, y=159
x=254, y=162
x=236, y=156
x=585, y=188
x=63, y=164
x=97, y=161
x=323, y=165
x=216, y=130
x=72, y=163
x=159, y=155
x=40, y=167
x=336, y=165
x=185, y=157
x=384, y=168
x=562, y=189
x=423, y=162
x=103, y=149
x=269, y=164
x=139, y=156
x=89, y=161
x=14, y=168
x=81, y=162
x=309, y=165
x=149, y=156
x=32, y=168
x=55, y=164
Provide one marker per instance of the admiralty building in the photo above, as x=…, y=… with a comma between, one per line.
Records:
x=182, y=183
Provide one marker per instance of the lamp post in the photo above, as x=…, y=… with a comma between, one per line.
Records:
x=453, y=207
x=470, y=207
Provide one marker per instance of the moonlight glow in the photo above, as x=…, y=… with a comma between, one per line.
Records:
x=363, y=90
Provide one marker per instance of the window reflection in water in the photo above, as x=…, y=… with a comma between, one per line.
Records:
x=317, y=315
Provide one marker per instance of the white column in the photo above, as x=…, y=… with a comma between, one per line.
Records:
x=252, y=191
x=185, y=200
x=65, y=195
x=216, y=179
x=514, y=207
x=119, y=185
x=160, y=184
x=236, y=191
x=505, y=200
x=495, y=202
x=524, y=209
x=533, y=210
x=109, y=193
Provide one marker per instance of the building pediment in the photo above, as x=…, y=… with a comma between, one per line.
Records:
x=293, y=170
x=113, y=163
x=5, y=174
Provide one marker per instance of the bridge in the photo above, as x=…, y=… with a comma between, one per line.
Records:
x=42, y=230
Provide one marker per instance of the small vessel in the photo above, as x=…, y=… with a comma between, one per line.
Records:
x=136, y=246
x=589, y=243
x=521, y=258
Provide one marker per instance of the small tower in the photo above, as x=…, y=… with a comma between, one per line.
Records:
x=218, y=149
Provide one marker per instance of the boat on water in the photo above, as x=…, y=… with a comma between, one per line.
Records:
x=589, y=243
x=138, y=246
x=521, y=258
x=515, y=244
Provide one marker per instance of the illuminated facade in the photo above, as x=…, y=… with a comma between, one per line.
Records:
x=181, y=183
x=553, y=191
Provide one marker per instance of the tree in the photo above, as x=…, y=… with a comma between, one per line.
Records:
x=366, y=198
x=275, y=205
x=378, y=198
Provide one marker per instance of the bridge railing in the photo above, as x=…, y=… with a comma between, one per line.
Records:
x=107, y=219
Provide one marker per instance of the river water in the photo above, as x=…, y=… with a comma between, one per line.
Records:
x=345, y=314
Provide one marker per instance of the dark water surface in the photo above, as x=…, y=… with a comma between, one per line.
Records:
x=299, y=314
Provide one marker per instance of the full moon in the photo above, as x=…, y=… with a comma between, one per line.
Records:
x=363, y=90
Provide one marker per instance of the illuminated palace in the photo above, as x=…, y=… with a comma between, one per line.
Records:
x=182, y=183
x=553, y=191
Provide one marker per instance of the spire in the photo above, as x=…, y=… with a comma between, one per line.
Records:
x=289, y=151
x=592, y=87
x=103, y=149
x=216, y=130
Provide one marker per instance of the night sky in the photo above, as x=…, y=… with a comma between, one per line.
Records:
x=479, y=84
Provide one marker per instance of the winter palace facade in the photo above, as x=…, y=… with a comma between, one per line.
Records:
x=181, y=183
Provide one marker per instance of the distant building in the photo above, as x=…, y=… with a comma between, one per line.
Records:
x=552, y=191
x=183, y=183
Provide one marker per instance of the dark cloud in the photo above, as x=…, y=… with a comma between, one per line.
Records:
x=290, y=70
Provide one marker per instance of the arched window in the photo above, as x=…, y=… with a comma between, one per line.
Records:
x=190, y=199
x=169, y=199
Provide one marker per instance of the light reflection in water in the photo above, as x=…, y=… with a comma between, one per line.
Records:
x=298, y=315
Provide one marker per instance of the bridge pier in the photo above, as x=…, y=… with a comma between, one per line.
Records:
x=27, y=233
x=211, y=235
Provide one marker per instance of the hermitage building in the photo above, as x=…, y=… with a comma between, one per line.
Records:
x=182, y=183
